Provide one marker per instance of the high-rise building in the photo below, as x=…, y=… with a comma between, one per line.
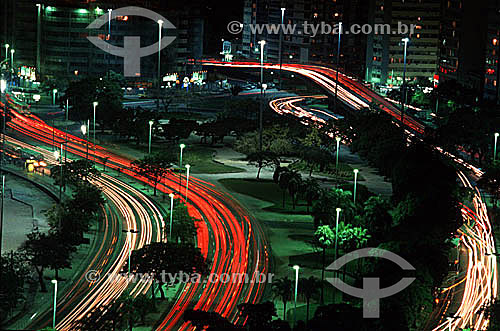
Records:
x=299, y=46
x=51, y=35
x=385, y=52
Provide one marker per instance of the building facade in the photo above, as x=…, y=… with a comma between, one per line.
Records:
x=385, y=52
x=52, y=36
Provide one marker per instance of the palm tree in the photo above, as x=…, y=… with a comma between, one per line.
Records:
x=310, y=191
x=324, y=238
x=284, y=176
x=282, y=288
x=310, y=289
x=294, y=184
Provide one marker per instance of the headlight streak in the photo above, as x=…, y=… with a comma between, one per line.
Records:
x=234, y=242
x=481, y=280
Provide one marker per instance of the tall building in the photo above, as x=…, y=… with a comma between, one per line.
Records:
x=469, y=45
x=51, y=35
x=301, y=47
x=385, y=52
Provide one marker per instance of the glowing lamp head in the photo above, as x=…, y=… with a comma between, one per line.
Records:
x=405, y=40
x=3, y=85
x=56, y=155
x=12, y=51
x=188, y=166
x=262, y=43
x=95, y=103
x=497, y=134
x=54, y=281
x=151, y=122
x=296, y=267
x=160, y=22
x=84, y=129
x=338, y=210
x=171, y=195
x=356, y=171
x=264, y=87
x=182, y=146
x=337, y=139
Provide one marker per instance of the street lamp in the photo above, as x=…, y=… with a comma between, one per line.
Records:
x=54, y=92
x=355, y=183
x=338, y=210
x=187, y=180
x=54, y=281
x=160, y=26
x=58, y=156
x=296, y=268
x=3, y=87
x=337, y=69
x=495, y=148
x=95, y=104
x=281, y=39
x=6, y=51
x=403, y=97
x=1, y=214
x=84, y=132
x=182, y=146
x=150, y=132
x=129, y=237
x=337, y=157
x=171, y=195
x=262, y=43
x=12, y=51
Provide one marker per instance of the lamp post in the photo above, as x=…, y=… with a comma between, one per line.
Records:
x=337, y=69
x=58, y=156
x=95, y=104
x=495, y=148
x=187, y=180
x=150, y=132
x=6, y=51
x=262, y=43
x=3, y=87
x=296, y=268
x=160, y=26
x=403, y=96
x=54, y=92
x=337, y=139
x=171, y=195
x=12, y=51
x=54, y=281
x=281, y=39
x=1, y=214
x=338, y=210
x=67, y=110
x=38, y=36
x=355, y=183
x=182, y=146
x=129, y=236
x=84, y=132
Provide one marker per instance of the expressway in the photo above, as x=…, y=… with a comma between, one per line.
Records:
x=233, y=241
x=480, y=283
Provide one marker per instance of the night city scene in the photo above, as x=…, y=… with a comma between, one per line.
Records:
x=288, y=165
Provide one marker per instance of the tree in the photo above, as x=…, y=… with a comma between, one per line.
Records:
x=263, y=159
x=102, y=318
x=310, y=191
x=162, y=260
x=74, y=173
x=310, y=289
x=324, y=207
x=376, y=217
x=209, y=321
x=126, y=306
x=293, y=186
x=491, y=180
x=185, y=226
x=259, y=315
x=46, y=251
x=155, y=167
x=324, y=238
x=282, y=288
x=13, y=273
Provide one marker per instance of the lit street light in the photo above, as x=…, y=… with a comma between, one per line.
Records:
x=3, y=87
x=337, y=157
x=6, y=51
x=403, y=97
x=160, y=26
x=296, y=268
x=12, y=51
x=338, y=210
x=355, y=183
x=171, y=195
x=95, y=104
x=54, y=281
x=262, y=43
x=84, y=132
x=187, y=180
x=1, y=214
x=337, y=69
x=281, y=39
x=54, y=92
x=182, y=146
x=129, y=237
x=495, y=148
x=150, y=132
